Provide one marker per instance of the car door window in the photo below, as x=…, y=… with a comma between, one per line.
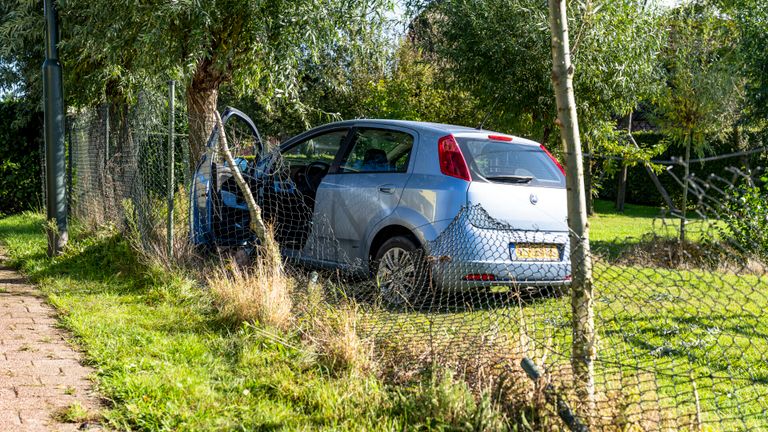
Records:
x=320, y=148
x=378, y=151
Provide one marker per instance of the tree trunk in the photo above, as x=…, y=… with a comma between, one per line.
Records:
x=655, y=179
x=545, y=134
x=686, y=174
x=270, y=249
x=202, y=97
x=621, y=193
x=581, y=261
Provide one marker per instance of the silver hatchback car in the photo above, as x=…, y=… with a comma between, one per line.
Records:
x=485, y=209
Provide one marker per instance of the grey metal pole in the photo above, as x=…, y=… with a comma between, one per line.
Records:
x=53, y=103
x=171, y=162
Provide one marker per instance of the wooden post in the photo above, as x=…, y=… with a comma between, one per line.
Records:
x=581, y=261
x=171, y=163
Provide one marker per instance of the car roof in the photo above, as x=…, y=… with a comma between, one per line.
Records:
x=424, y=126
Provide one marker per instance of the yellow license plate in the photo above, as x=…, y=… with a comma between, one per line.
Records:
x=536, y=252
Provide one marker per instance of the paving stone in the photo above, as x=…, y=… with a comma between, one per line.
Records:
x=9, y=417
x=40, y=371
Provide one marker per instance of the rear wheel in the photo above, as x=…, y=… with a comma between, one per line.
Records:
x=398, y=267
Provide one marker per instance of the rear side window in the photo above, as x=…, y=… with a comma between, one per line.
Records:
x=505, y=162
x=378, y=151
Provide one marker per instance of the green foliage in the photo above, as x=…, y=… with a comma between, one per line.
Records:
x=257, y=46
x=413, y=90
x=500, y=51
x=408, y=86
x=20, y=166
x=745, y=216
x=751, y=17
x=21, y=48
x=702, y=98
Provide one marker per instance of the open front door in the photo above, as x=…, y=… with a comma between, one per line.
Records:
x=218, y=213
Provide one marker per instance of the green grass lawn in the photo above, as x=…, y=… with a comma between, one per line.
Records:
x=166, y=361
x=608, y=225
x=662, y=332
x=612, y=233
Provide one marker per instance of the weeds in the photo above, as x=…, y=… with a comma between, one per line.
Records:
x=261, y=293
x=446, y=403
x=333, y=334
x=76, y=413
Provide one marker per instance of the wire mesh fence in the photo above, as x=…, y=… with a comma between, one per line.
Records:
x=478, y=286
x=119, y=170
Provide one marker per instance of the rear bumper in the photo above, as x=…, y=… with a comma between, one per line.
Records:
x=460, y=275
x=471, y=254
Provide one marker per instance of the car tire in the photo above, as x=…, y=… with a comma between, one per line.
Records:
x=399, y=270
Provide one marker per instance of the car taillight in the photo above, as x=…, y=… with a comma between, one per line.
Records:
x=452, y=162
x=562, y=170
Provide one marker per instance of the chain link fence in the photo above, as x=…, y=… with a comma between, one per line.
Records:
x=129, y=166
x=680, y=328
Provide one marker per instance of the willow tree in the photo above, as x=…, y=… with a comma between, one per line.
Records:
x=702, y=98
x=110, y=49
x=499, y=50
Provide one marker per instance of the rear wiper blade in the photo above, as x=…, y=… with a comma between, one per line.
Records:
x=510, y=178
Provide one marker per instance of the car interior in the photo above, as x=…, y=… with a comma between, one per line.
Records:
x=289, y=188
x=286, y=187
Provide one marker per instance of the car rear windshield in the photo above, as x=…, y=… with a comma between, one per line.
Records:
x=510, y=163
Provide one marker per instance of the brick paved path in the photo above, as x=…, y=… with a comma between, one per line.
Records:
x=40, y=372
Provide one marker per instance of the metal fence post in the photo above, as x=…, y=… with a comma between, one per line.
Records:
x=171, y=163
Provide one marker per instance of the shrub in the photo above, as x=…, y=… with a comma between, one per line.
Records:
x=21, y=139
x=745, y=215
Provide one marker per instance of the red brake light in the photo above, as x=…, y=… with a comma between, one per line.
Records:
x=452, y=162
x=562, y=170
x=499, y=138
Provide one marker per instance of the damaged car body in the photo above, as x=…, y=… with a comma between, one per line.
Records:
x=483, y=209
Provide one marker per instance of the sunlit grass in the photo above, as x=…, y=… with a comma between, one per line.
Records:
x=165, y=358
x=168, y=361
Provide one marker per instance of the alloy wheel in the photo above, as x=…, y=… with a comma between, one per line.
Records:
x=396, y=276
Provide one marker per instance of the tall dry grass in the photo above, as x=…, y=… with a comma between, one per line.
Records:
x=332, y=329
x=258, y=293
x=334, y=335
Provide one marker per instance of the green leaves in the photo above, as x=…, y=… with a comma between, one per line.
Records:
x=702, y=98
x=502, y=47
x=20, y=144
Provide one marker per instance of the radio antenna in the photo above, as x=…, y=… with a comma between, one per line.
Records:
x=490, y=111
